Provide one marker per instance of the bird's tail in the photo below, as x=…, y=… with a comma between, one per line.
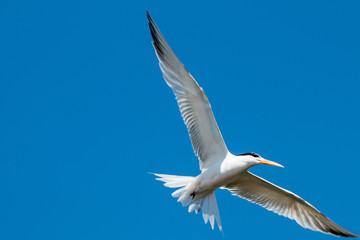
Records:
x=208, y=204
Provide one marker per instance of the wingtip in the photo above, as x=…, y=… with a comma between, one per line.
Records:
x=352, y=235
x=148, y=16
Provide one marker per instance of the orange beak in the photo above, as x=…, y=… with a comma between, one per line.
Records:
x=264, y=161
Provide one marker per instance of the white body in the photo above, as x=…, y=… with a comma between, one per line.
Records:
x=220, y=168
x=219, y=175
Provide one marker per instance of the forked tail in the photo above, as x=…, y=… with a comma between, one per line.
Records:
x=208, y=204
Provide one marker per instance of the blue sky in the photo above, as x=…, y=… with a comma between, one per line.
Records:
x=85, y=114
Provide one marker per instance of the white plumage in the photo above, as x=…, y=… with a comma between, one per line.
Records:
x=220, y=168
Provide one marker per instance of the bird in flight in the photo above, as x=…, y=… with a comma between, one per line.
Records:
x=219, y=168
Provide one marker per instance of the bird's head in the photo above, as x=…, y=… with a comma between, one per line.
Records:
x=256, y=159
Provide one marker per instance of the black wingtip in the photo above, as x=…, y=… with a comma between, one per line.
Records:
x=148, y=16
x=152, y=27
x=353, y=235
x=345, y=233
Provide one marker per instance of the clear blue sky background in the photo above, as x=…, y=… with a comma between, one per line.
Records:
x=85, y=114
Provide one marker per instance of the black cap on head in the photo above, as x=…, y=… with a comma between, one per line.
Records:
x=250, y=153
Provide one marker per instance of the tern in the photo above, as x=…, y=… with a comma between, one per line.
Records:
x=219, y=168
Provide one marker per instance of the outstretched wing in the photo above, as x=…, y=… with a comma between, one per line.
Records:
x=284, y=203
x=195, y=109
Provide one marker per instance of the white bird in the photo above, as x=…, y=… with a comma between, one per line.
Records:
x=219, y=168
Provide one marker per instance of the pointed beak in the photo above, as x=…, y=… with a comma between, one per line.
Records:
x=264, y=161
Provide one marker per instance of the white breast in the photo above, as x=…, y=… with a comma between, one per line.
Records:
x=221, y=173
